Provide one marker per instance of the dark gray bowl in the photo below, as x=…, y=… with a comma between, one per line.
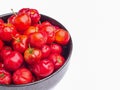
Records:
x=53, y=79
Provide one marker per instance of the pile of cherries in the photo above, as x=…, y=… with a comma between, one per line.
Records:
x=30, y=50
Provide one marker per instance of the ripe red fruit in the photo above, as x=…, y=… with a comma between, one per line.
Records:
x=7, y=31
x=5, y=51
x=50, y=30
x=30, y=30
x=43, y=69
x=33, y=13
x=56, y=48
x=22, y=76
x=35, y=16
x=23, y=10
x=20, y=43
x=1, y=44
x=13, y=61
x=32, y=55
x=5, y=77
x=40, y=26
x=37, y=39
x=22, y=22
x=45, y=49
x=57, y=59
x=62, y=36
x=46, y=23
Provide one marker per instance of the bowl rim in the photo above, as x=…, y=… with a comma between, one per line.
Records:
x=54, y=73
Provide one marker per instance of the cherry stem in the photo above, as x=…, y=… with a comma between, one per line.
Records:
x=29, y=45
x=30, y=49
x=14, y=12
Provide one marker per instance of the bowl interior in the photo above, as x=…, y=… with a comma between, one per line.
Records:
x=67, y=50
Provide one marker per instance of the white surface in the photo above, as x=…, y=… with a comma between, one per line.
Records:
x=95, y=29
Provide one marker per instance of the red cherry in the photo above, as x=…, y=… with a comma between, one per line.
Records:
x=5, y=51
x=37, y=39
x=50, y=30
x=32, y=55
x=13, y=61
x=57, y=59
x=62, y=36
x=56, y=48
x=35, y=16
x=45, y=49
x=33, y=13
x=43, y=69
x=43, y=24
x=7, y=31
x=31, y=29
x=21, y=22
x=5, y=77
x=22, y=76
x=23, y=10
x=20, y=43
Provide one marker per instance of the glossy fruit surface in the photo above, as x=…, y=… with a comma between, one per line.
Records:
x=37, y=39
x=5, y=51
x=7, y=31
x=20, y=43
x=13, y=61
x=44, y=68
x=62, y=36
x=57, y=59
x=22, y=76
x=32, y=55
x=5, y=77
x=33, y=13
x=31, y=30
x=22, y=22
x=46, y=50
x=56, y=48
x=50, y=30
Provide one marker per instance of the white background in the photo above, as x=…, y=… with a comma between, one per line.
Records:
x=95, y=29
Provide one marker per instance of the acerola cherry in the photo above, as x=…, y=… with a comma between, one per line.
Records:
x=22, y=76
x=37, y=39
x=33, y=13
x=20, y=43
x=5, y=51
x=21, y=22
x=31, y=29
x=62, y=36
x=46, y=50
x=56, y=48
x=57, y=59
x=32, y=55
x=13, y=61
x=7, y=31
x=50, y=30
x=5, y=77
x=44, y=68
